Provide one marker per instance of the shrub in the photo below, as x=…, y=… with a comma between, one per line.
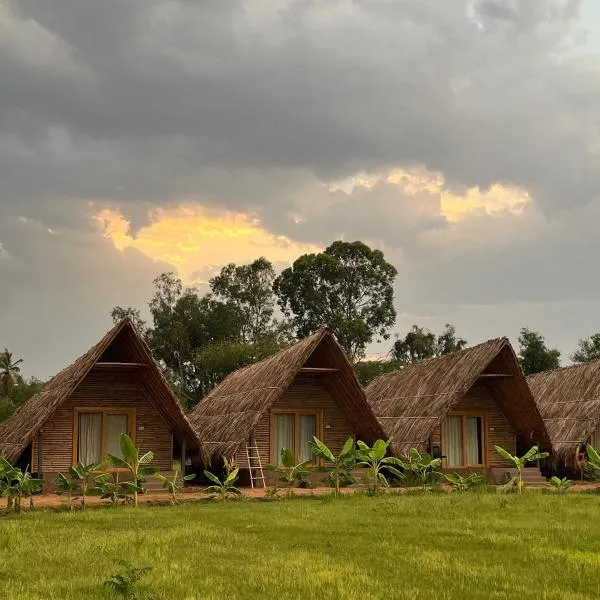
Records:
x=338, y=468
x=559, y=484
x=516, y=482
x=423, y=466
x=226, y=487
x=290, y=472
x=464, y=483
x=377, y=463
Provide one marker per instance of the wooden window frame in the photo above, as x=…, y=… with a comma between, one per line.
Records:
x=484, y=427
x=130, y=412
x=318, y=412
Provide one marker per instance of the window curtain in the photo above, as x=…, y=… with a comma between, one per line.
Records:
x=284, y=435
x=474, y=441
x=452, y=433
x=308, y=429
x=115, y=426
x=90, y=438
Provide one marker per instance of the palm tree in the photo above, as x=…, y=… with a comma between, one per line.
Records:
x=9, y=372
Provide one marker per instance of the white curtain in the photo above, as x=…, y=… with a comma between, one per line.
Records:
x=452, y=441
x=115, y=426
x=90, y=438
x=308, y=429
x=284, y=435
x=474, y=441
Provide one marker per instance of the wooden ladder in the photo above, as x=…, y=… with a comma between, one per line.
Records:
x=255, y=466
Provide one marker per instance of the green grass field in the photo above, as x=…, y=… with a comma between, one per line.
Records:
x=397, y=546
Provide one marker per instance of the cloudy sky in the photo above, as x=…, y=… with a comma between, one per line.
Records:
x=462, y=137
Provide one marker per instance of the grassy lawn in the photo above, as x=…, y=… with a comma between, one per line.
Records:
x=410, y=546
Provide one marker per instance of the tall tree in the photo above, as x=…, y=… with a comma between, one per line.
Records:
x=420, y=344
x=367, y=370
x=447, y=342
x=534, y=355
x=588, y=349
x=118, y=313
x=250, y=289
x=183, y=323
x=348, y=287
x=10, y=372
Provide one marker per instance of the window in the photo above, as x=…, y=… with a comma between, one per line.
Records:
x=463, y=440
x=293, y=430
x=97, y=433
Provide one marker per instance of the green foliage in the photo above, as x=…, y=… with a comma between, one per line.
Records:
x=216, y=360
x=587, y=349
x=559, y=484
x=534, y=354
x=367, y=370
x=593, y=458
x=88, y=478
x=125, y=582
x=377, y=464
x=10, y=372
x=15, y=485
x=464, y=483
x=134, y=461
x=118, y=313
x=250, y=289
x=226, y=487
x=532, y=455
x=68, y=485
x=420, y=344
x=22, y=390
x=338, y=468
x=289, y=472
x=423, y=466
x=348, y=287
x=175, y=484
x=110, y=488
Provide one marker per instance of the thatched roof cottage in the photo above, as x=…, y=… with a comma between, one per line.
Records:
x=282, y=402
x=569, y=401
x=116, y=387
x=460, y=406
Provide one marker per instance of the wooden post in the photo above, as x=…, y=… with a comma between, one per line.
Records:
x=40, y=453
x=183, y=456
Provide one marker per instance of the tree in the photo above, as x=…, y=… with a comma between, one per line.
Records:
x=587, y=349
x=10, y=372
x=184, y=323
x=348, y=287
x=520, y=462
x=250, y=289
x=338, y=468
x=534, y=354
x=367, y=370
x=420, y=344
x=118, y=313
x=447, y=342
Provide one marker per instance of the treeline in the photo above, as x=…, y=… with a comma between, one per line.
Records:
x=250, y=313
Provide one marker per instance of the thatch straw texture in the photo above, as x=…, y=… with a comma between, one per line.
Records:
x=225, y=419
x=17, y=432
x=411, y=402
x=569, y=401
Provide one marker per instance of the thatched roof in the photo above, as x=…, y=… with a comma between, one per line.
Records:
x=17, y=432
x=411, y=402
x=227, y=416
x=569, y=401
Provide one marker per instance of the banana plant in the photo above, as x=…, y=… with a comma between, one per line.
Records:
x=289, y=472
x=559, y=484
x=423, y=466
x=463, y=483
x=22, y=485
x=88, y=478
x=338, y=468
x=376, y=462
x=7, y=475
x=136, y=463
x=227, y=486
x=69, y=486
x=175, y=484
x=532, y=455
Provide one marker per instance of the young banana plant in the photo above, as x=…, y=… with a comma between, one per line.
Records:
x=532, y=455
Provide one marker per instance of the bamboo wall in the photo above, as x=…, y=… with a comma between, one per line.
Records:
x=305, y=392
x=499, y=432
x=108, y=389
